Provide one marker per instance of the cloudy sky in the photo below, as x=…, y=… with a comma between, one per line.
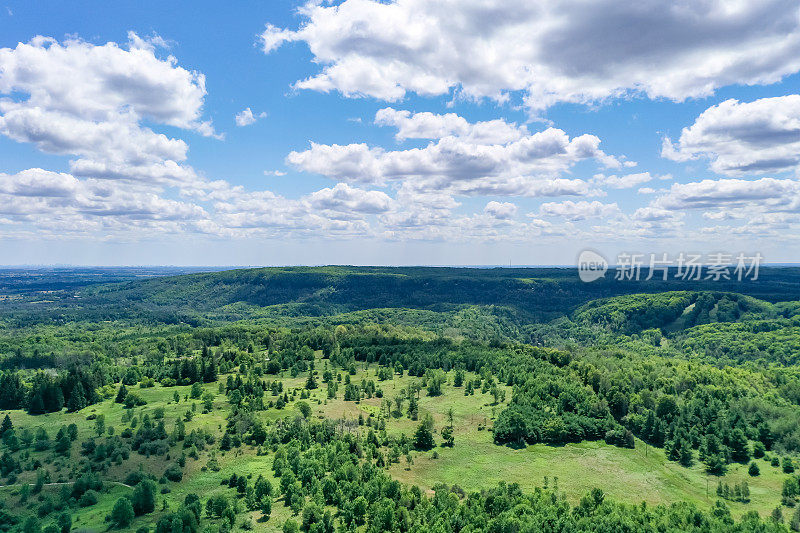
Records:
x=406, y=132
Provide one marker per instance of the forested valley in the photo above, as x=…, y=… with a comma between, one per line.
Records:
x=397, y=399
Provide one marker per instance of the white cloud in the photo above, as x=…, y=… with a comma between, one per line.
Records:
x=621, y=182
x=765, y=193
x=37, y=182
x=151, y=43
x=557, y=51
x=273, y=37
x=274, y=173
x=655, y=214
x=96, y=83
x=741, y=138
x=465, y=158
x=76, y=98
x=246, y=117
x=428, y=125
x=500, y=210
x=580, y=210
x=351, y=200
x=52, y=196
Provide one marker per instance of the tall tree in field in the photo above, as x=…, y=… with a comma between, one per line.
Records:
x=423, y=437
x=122, y=514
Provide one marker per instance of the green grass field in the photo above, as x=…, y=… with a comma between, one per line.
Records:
x=474, y=463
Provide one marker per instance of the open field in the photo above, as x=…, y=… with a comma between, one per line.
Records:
x=473, y=463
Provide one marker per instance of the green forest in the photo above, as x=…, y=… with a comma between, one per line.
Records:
x=365, y=399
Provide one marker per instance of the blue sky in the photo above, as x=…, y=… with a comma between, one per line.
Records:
x=506, y=131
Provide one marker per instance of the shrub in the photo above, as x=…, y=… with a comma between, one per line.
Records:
x=133, y=400
x=304, y=408
x=88, y=499
x=173, y=472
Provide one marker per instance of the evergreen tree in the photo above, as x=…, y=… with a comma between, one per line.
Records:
x=122, y=513
x=121, y=394
x=794, y=524
x=447, y=435
x=738, y=446
x=100, y=424
x=7, y=425
x=64, y=522
x=266, y=506
x=211, y=373
x=143, y=499
x=423, y=437
x=311, y=382
x=77, y=400
x=686, y=456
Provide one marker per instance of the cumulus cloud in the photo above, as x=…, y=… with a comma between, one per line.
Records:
x=740, y=138
x=90, y=102
x=126, y=178
x=52, y=194
x=77, y=98
x=351, y=200
x=775, y=194
x=622, y=182
x=428, y=125
x=655, y=214
x=580, y=210
x=93, y=82
x=764, y=205
x=500, y=210
x=246, y=117
x=467, y=159
x=557, y=51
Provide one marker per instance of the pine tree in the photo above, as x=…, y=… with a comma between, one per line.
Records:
x=738, y=446
x=77, y=400
x=7, y=425
x=36, y=404
x=64, y=522
x=413, y=407
x=122, y=514
x=745, y=491
x=423, y=437
x=649, y=424
x=211, y=373
x=795, y=522
x=311, y=382
x=266, y=506
x=447, y=435
x=121, y=394
x=715, y=464
x=674, y=449
x=686, y=456
x=144, y=497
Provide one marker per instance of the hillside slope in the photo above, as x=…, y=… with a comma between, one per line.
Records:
x=539, y=293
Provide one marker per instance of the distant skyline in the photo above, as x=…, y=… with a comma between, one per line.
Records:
x=397, y=133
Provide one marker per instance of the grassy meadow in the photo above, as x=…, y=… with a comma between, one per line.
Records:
x=475, y=462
